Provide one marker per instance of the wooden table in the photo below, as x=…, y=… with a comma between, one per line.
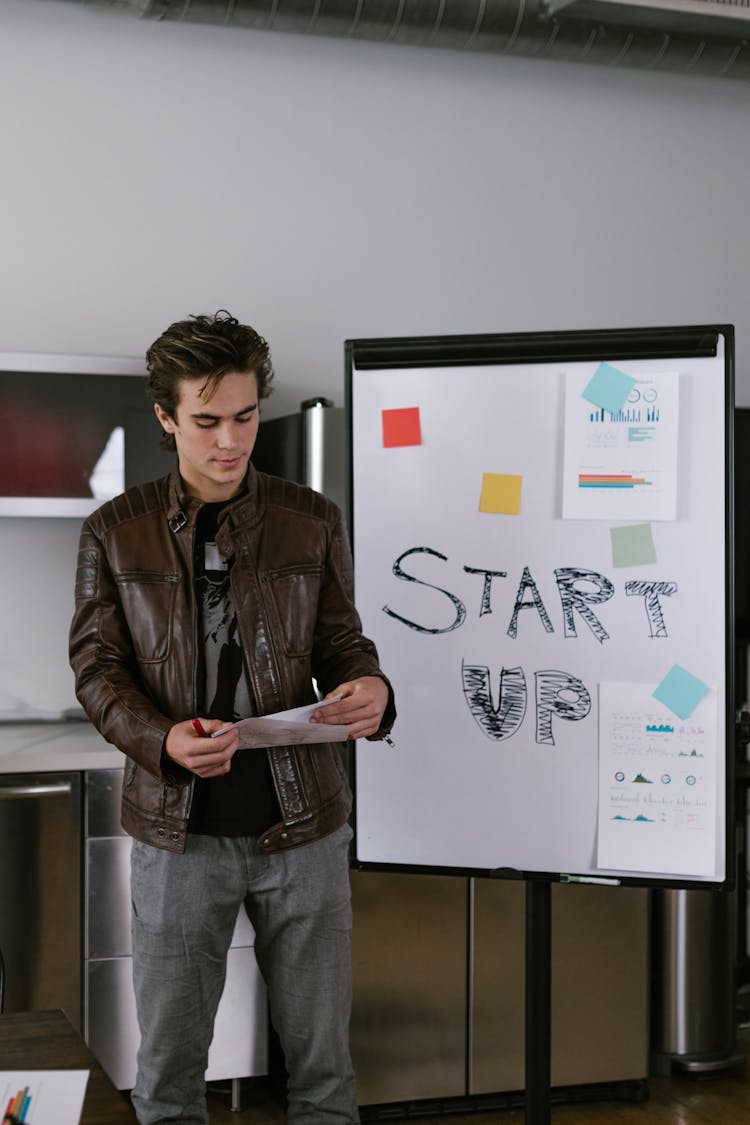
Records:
x=48, y=1041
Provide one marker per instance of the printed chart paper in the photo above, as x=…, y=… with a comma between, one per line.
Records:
x=622, y=464
x=43, y=1097
x=657, y=790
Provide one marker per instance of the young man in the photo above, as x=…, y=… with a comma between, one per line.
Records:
x=216, y=593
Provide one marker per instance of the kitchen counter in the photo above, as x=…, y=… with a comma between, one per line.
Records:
x=33, y=747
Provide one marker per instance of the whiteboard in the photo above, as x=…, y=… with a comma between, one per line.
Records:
x=526, y=619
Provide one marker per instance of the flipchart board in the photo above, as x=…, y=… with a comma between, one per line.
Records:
x=542, y=534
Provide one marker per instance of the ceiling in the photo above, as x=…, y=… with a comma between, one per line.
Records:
x=708, y=37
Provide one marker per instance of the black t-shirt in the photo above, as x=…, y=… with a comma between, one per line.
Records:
x=243, y=802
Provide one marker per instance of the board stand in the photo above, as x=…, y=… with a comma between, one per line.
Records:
x=538, y=1000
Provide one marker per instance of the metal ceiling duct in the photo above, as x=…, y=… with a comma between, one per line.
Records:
x=708, y=37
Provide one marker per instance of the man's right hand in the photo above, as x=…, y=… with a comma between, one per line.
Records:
x=206, y=757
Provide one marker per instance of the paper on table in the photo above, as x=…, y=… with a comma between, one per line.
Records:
x=286, y=728
x=43, y=1097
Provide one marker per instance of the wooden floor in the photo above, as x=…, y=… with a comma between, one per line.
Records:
x=682, y=1099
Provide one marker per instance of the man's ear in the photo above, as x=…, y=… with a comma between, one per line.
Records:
x=166, y=421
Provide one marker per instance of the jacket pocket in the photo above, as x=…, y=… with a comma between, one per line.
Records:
x=148, y=599
x=295, y=591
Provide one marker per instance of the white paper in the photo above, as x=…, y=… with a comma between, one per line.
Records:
x=657, y=789
x=287, y=728
x=55, y=1097
x=622, y=466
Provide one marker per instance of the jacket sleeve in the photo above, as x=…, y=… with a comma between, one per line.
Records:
x=107, y=680
x=341, y=651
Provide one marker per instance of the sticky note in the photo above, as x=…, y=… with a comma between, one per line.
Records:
x=680, y=691
x=608, y=387
x=632, y=545
x=501, y=493
x=401, y=427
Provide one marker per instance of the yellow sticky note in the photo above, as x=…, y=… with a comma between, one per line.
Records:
x=501, y=493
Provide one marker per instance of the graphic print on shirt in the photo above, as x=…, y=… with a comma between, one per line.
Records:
x=225, y=686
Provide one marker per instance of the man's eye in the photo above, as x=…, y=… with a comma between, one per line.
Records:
x=205, y=425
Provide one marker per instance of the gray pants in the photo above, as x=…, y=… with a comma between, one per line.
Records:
x=184, y=912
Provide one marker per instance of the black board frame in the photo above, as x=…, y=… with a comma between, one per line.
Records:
x=672, y=342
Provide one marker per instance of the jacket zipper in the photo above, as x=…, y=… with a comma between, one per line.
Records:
x=127, y=577
x=253, y=687
x=194, y=614
x=262, y=588
x=293, y=571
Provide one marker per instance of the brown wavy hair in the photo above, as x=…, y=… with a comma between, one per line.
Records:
x=204, y=347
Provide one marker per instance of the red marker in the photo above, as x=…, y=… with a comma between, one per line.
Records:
x=198, y=728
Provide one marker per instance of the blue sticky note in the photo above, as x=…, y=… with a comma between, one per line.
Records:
x=608, y=387
x=680, y=691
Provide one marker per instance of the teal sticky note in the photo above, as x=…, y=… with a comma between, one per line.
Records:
x=608, y=387
x=680, y=691
x=632, y=545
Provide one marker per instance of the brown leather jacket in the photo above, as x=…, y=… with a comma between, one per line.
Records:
x=133, y=642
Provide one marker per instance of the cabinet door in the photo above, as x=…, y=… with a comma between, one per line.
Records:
x=108, y=897
x=240, y=1043
x=600, y=977
x=40, y=892
x=408, y=1029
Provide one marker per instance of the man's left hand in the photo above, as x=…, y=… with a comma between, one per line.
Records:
x=360, y=708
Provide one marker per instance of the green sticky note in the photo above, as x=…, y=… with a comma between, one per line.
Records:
x=680, y=691
x=632, y=545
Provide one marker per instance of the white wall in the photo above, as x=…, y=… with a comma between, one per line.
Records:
x=325, y=189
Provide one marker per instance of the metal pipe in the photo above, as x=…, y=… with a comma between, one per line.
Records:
x=313, y=421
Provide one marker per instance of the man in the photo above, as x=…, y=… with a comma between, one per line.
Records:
x=212, y=594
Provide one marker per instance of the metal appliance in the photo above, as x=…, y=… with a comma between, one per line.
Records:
x=40, y=892
x=695, y=957
x=308, y=447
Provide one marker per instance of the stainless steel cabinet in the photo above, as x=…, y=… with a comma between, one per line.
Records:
x=240, y=1044
x=439, y=993
x=409, y=951
x=40, y=891
x=600, y=994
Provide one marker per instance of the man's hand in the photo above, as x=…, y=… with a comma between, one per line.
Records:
x=361, y=706
x=206, y=757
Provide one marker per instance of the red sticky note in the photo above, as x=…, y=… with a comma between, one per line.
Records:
x=401, y=427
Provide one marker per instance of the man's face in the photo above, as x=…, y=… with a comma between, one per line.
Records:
x=214, y=436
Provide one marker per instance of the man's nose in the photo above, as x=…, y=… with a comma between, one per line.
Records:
x=225, y=435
